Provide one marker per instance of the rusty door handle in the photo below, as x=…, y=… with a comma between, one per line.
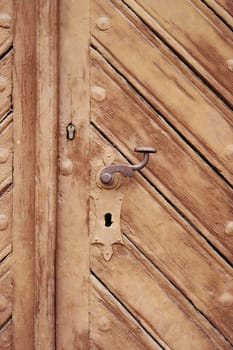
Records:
x=106, y=175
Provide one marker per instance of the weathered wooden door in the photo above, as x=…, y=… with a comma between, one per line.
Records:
x=91, y=81
x=157, y=74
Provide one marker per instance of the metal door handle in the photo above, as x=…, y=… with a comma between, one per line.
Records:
x=106, y=175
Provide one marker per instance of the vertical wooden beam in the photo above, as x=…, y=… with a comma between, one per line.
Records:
x=24, y=104
x=46, y=172
x=35, y=173
x=72, y=243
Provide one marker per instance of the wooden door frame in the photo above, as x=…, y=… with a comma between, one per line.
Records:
x=35, y=104
x=49, y=239
x=72, y=253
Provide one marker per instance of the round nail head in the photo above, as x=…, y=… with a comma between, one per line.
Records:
x=4, y=154
x=228, y=151
x=226, y=299
x=98, y=93
x=66, y=167
x=106, y=178
x=229, y=228
x=5, y=20
x=3, y=303
x=230, y=64
x=2, y=84
x=3, y=222
x=104, y=324
x=103, y=23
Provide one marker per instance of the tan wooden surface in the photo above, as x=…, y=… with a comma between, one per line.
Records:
x=203, y=40
x=24, y=97
x=6, y=174
x=6, y=234
x=171, y=245
x=5, y=84
x=125, y=73
x=186, y=183
x=174, y=218
x=154, y=302
x=72, y=235
x=6, y=291
x=109, y=318
x=46, y=172
x=6, y=337
x=6, y=152
x=6, y=21
x=223, y=8
x=165, y=82
x=226, y=5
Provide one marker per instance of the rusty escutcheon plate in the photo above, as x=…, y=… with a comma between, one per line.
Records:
x=106, y=203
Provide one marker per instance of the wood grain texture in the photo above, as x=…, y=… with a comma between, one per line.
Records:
x=111, y=325
x=223, y=8
x=5, y=84
x=6, y=337
x=6, y=231
x=24, y=98
x=6, y=24
x=166, y=83
x=227, y=5
x=174, y=247
x=5, y=291
x=204, y=41
x=46, y=172
x=72, y=243
x=157, y=305
x=176, y=170
x=6, y=152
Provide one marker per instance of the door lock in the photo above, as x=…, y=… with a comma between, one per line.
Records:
x=107, y=196
x=106, y=175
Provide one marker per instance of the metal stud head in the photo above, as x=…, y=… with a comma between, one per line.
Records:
x=230, y=64
x=229, y=228
x=4, y=154
x=228, y=151
x=98, y=93
x=106, y=178
x=103, y=23
x=5, y=20
x=3, y=222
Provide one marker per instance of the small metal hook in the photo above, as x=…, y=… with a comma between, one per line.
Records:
x=106, y=175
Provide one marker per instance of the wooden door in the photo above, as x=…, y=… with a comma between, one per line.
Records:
x=154, y=79
x=91, y=80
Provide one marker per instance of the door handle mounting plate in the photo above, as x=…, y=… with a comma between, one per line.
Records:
x=106, y=203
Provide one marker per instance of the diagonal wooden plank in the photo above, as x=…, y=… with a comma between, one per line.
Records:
x=111, y=325
x=226, y=4
x=6, y=152
x=5, y=223
x=176, y=170
x=174, y=247
x=5, y=290
x=6, y=22
x=156, y=304
x=204, y=41
x=167, y=84
x=223, y=8
x=5, y=84
x=6, y=337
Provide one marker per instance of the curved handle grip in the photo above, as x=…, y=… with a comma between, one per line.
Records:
x=106, y=175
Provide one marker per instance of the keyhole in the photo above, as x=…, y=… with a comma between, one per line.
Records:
x=108, y=219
